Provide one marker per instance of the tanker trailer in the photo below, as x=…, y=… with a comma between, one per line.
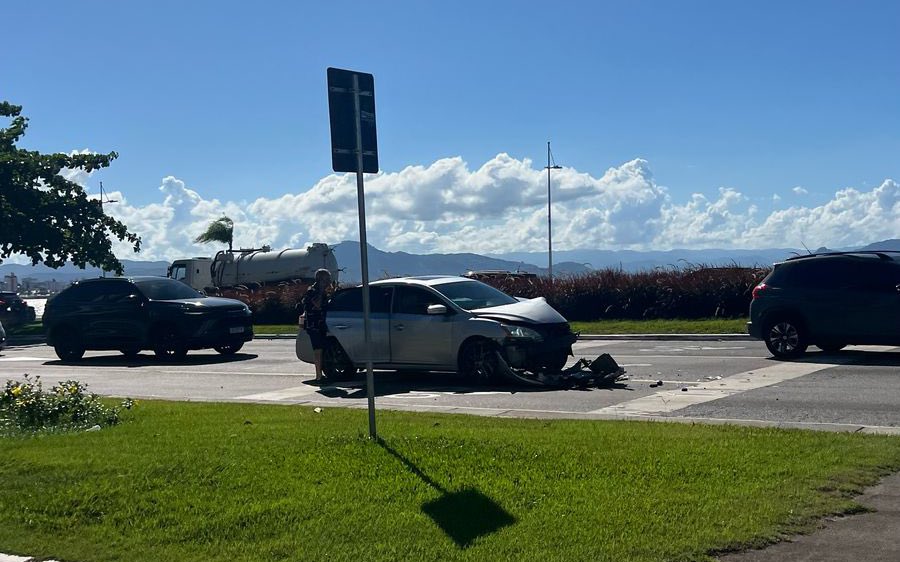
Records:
x=254, y=267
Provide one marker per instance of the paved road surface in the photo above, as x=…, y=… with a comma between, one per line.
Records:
x=858, y=389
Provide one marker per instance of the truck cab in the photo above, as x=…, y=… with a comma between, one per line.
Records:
x=194, y=272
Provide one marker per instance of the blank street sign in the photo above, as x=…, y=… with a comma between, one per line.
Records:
x=342, y=112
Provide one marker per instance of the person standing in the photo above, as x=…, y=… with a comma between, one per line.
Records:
x=315, y=302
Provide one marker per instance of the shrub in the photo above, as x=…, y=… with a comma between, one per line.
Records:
x=25, y=406
x=692, y=291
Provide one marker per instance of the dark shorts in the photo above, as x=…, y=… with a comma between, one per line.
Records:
x=317, y=338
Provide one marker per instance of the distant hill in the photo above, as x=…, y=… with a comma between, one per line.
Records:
x=892, y=245
x=566, y=262
x=69, y=272
x=394, y=264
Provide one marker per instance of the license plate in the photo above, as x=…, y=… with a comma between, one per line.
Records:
x=236, y=330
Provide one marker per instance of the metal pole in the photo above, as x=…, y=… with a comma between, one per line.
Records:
x=549, y=221
x=364, y=261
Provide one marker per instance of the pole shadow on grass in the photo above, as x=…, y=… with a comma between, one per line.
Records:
x=465, y=515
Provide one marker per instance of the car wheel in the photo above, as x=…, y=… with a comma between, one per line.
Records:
x=69, y=351
x=336, y=364
x=168, y=345
x=786, y=338
x=831, y=347
x=229, y=349
x=130, y=352
x=479, y=362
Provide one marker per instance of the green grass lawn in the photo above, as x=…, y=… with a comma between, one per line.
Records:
x=191, y=481
x=702, y=326
x=677, y=326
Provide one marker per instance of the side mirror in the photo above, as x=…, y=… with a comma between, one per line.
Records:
x=436, y=309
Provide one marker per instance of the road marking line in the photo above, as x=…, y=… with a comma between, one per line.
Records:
x=668, y=401
x=11, y=359
x=283, y=394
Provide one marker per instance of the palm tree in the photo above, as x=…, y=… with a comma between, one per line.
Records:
x=220, y=230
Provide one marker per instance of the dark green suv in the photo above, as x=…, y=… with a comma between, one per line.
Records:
x=828, y=300
x=137, y=313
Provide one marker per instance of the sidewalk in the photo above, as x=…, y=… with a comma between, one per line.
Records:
x=873, y=537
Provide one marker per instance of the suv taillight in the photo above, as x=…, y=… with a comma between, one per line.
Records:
x=759, y=290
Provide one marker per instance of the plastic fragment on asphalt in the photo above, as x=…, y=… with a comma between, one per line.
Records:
x=683, y=389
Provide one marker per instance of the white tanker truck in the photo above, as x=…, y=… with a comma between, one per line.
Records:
x=254, y=267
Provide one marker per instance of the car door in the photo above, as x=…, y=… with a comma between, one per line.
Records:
x=877, y=296
x=344, y=317
x=419, y=338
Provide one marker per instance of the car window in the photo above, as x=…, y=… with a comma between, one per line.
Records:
x=120, y=292
x=878, y=276
x=350, y=300
x=414, y=300
x=179, y=272
x=470, y=295
x=828, y=273
x=163, y=289
x=85, y=293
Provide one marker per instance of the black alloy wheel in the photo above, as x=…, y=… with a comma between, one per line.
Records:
x=479, y=362
x=786, y=338
x=336, y=364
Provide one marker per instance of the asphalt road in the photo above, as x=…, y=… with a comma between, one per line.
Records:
x=713, y=381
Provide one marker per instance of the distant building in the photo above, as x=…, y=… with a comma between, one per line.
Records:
x=11, y=282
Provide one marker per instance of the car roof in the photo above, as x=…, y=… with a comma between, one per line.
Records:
x=129, y=279
x=423, y=280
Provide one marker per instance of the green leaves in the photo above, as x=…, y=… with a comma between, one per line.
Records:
x=220, y=230
x=47, y=217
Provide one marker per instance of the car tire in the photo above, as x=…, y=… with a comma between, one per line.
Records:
x=336, y=364
x=478, y=361
x=229, y=348
x=69, y=350
x=168, y=346
x=831, y=347
x=785, y=338
x=130, y=352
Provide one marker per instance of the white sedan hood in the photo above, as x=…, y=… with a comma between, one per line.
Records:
x=535, y=311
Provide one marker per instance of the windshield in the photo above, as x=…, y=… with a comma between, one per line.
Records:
x=470, y=295
x=166, y=289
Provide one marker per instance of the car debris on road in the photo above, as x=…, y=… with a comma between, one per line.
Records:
x=601, y=372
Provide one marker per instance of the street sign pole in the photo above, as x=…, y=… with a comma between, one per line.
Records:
x=354, y=148
x=364, y=261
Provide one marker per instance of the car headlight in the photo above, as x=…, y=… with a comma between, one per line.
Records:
x=521, y=332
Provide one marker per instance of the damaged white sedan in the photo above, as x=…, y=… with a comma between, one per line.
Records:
x=442, y=323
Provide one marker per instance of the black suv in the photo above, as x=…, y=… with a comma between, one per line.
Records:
x=136, y=313
x=14, y=308
x=828, y=300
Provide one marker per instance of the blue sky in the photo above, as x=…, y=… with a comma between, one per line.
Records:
x=229, y=98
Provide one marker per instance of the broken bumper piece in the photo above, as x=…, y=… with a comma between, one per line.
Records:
x=602, y=371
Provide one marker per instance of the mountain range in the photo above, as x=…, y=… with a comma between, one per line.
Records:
x=566, y=262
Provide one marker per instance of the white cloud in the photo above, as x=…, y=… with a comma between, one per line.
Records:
x=776, y=198
x=501, y=206
x=799, y=190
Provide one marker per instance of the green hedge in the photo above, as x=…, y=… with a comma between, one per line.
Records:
x=694, y=291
